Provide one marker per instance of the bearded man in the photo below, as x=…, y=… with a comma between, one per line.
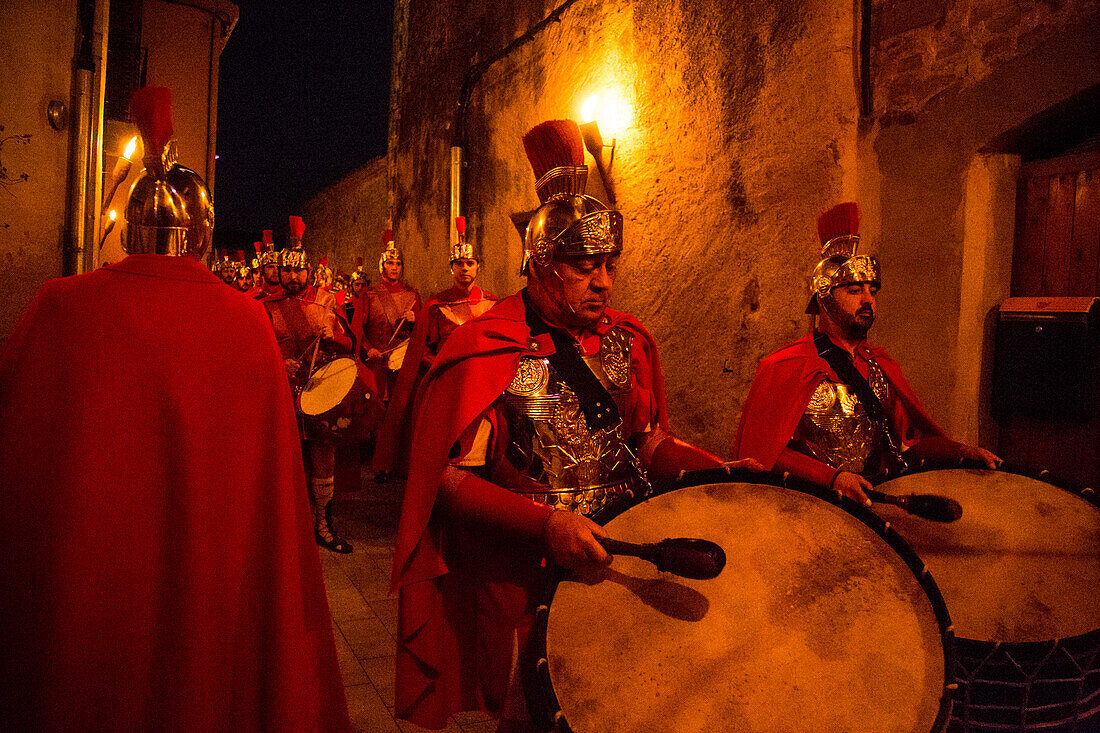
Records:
x=307, y=329
x=536, y=414
x=444, y=312
x=828, y=408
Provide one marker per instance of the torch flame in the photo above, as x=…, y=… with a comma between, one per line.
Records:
x=130, y=148
x=112, y=215
x=613, y=114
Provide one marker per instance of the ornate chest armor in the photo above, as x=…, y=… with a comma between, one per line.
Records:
x=569, y=465
x=836, y=430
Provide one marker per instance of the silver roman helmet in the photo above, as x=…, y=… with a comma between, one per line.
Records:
x=569, y=223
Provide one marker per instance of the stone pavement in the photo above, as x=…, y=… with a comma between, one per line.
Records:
x=364, y=615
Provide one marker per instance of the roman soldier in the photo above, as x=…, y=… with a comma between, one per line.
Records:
x=225, y=268
x=442, y=314
x=242, y=273
x=385, y=316
x=357, y=281
x=308, y=331
x=534, y=415
x=192, y=597
x=269, y=267
x=829, y=408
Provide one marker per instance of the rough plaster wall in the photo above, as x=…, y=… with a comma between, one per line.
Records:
x=36, y=51
x=744, y=122
x=914, y=165
x=346, y=220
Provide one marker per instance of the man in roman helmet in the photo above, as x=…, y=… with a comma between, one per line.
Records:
x=269, y=268
x=442, y=314
x=536, y=414
x=158, y=571
x=308, y=331
x=242, y=274
x=829, y=408
x=357, y=282
x=225, y=268
x=384, y=318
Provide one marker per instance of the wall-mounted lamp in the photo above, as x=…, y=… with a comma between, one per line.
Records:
x=112, y=215
x=119, y=173
x=615, y=116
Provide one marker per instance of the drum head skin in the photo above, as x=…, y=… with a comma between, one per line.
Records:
x=1023, y=562
x=328, y=386
x=815, y=624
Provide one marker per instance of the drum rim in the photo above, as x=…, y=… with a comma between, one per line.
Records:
x=543, y=702
x=1089, y=640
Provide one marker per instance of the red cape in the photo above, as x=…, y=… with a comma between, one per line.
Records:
x=784, y=383
x=393, y=433
x=435, y=636
x=159, y=570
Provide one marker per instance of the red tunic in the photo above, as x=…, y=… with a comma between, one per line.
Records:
x=461, y=603
x=784, y=383
x=378, y=312
x=160, y=571
x=443, y=313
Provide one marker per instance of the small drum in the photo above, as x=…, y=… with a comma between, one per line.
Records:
x=336, y=401
x=820, y=621
x=394, y=359
x=1020, y=573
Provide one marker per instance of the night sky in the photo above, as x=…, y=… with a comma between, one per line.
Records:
x=303, y=100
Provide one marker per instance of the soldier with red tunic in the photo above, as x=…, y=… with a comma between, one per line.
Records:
x=828, y=408
x=384, y=318
x=443, y=313
x=158, y=570
x=308, y=330
x=538, y=413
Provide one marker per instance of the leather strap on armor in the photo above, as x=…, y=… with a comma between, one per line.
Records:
x=840, y=362
x=600, y=410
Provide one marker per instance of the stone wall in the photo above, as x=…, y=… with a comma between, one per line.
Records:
x=346, y=220
x=745, y=124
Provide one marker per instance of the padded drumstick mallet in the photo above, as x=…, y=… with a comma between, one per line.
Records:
x=926, y=506
x=683, y=556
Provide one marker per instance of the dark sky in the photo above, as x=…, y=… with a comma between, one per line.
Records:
x=303, y=97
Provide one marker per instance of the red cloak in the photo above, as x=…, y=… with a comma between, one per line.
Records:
x=390, y=450
x=784, y=383
x=160, y=571
x=440, y=648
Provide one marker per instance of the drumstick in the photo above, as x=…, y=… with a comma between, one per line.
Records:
x=926, y=506
x=683, y=556
x=316, y=348
x=399, y=325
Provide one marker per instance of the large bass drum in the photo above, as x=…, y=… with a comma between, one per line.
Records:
x=823, y=620
x=1020, y=573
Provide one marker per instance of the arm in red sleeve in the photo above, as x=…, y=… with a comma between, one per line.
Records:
x=664, y=455
x=934, y=448
x=803, y=467
x=478, y=500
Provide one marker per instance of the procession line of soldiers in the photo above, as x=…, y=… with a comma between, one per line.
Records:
x=540, y=409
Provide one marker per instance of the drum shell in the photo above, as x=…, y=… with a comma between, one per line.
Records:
x=353, y=418
x=1005, y=685
x=543, y=700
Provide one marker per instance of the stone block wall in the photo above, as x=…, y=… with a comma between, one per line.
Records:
x=745, y=125
x=346, y=220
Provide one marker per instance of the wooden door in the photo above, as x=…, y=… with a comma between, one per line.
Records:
x=1057, y=253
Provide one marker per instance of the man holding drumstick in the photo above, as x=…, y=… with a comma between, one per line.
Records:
x=306, y=327
x=538, y=413
x=828, y=408
x=384, y=318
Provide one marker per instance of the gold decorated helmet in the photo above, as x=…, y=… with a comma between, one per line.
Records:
x=156, y=219
x=391, y=252
x=569, y=223
x=463, y=250
x=358, y=274
x=196, y=199
x=322, y=276
x=269, y=256
x=225, y=268
x=838, y=231
x=294, y=256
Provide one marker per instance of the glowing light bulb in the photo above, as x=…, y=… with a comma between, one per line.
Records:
x=610, y=111
x=130, y=148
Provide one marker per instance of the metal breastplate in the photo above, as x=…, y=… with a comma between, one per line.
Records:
x=569, y=465
x=836, y=430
